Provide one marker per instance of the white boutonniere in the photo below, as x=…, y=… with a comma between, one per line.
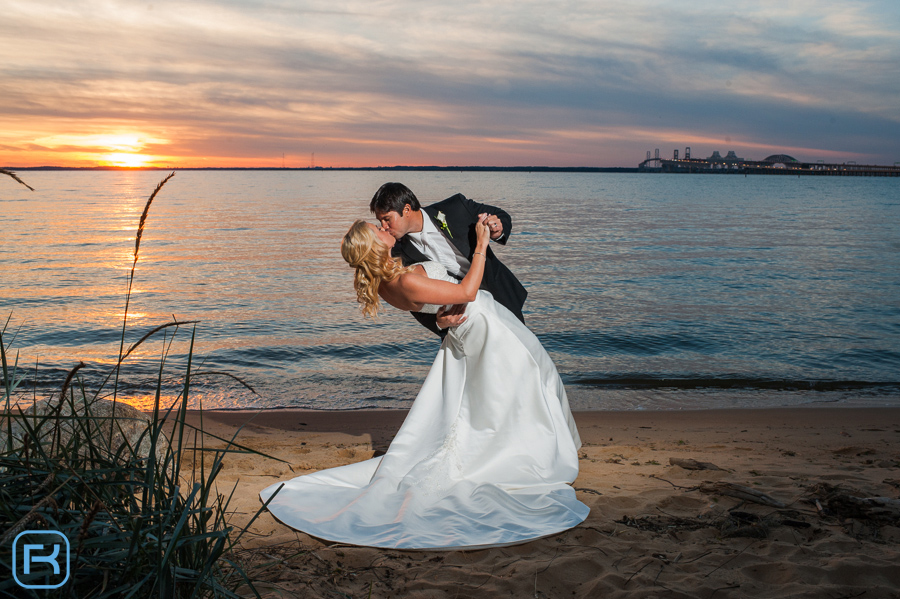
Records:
x=443, y=220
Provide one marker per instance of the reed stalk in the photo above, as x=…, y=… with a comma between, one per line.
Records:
x=137, y=248
x=16, y=177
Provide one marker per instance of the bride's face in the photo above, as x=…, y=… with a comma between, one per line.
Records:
x=383, y=236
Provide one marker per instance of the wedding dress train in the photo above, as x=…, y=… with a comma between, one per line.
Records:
x=484, y=458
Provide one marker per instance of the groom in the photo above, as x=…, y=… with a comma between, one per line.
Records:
x=445, y=232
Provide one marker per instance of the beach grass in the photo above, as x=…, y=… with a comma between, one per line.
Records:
x=139, y=518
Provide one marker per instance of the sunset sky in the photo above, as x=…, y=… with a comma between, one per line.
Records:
x=392, y=82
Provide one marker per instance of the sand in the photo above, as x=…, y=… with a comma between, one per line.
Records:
x=655, y=529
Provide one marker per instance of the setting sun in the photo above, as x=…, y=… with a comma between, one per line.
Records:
x=113, y=148
x=126, y=160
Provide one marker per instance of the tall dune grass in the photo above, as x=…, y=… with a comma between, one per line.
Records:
x=139, y=522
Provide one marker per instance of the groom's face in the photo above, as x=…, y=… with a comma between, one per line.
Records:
x=397, y=224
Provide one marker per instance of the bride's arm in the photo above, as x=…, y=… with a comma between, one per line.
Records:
x=419, y=289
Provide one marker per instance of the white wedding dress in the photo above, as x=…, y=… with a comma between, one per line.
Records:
x=484, y=458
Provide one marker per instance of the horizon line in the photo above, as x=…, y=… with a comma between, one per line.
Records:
x=325, y=168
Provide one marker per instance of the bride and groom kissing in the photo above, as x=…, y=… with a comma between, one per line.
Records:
x=488, y=451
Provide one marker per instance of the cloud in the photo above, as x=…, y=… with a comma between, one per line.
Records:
x=397, y=82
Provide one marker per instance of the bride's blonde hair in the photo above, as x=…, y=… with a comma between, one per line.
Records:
x=372, y=260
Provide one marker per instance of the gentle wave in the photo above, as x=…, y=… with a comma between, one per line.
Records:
x=654, y=382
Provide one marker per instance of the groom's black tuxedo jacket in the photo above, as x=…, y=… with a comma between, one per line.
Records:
x=462, y=214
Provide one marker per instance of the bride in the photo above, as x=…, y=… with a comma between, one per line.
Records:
x=489, y=448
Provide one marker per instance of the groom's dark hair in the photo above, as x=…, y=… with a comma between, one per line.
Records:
x=393, y=197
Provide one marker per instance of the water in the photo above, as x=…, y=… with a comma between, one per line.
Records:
x=649, y=291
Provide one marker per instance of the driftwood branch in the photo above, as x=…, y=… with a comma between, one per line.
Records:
x=877, y=506
x=689, y=464
x=739, y=492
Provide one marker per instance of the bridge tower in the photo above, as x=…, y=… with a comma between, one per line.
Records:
x=653, y=160
x=676, y=154
x=687, y=153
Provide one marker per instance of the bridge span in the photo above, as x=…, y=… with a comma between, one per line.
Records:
x=777, y=164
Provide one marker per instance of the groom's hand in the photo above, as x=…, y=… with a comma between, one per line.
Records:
x=493, y=223
x=452, y=317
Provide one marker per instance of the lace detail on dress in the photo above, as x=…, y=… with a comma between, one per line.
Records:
x=444, y=465
x=435, y=270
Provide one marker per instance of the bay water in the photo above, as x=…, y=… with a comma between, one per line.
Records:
x=650, y=291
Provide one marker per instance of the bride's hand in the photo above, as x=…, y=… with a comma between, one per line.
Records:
x=482, y=233
x=452, y=317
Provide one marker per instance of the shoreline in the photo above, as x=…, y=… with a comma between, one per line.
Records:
x=656, y=528
x=287, y=418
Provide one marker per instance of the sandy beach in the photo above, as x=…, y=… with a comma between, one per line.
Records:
x=693, y=504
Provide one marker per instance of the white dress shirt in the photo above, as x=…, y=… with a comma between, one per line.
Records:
x=434, y=244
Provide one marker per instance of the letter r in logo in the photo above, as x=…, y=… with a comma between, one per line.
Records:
x=32, y=559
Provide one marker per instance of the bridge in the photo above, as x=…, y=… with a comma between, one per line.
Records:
x=777, y=164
